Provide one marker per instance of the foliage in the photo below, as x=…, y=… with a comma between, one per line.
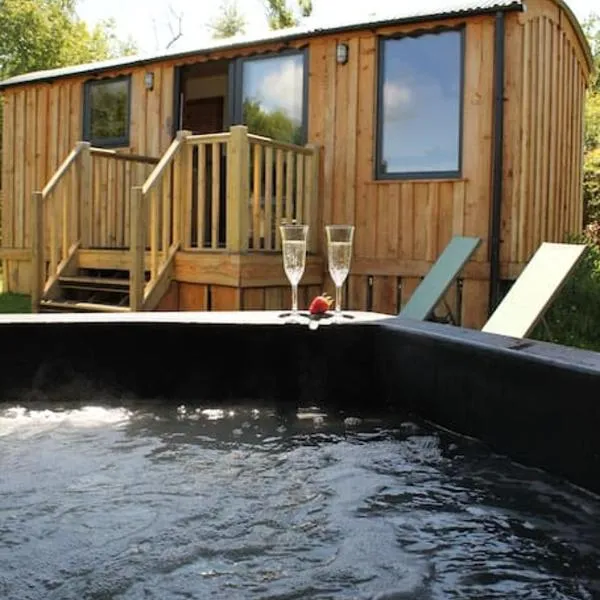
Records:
x=281, y=16
x=591, y=163
x=15, y=303
x=44, y=34
x=591, y=28
x=229, y=22
x=574, y=317
x=273, y=124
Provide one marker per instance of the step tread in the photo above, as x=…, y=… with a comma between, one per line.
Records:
x=83, y=306
x=96, y=281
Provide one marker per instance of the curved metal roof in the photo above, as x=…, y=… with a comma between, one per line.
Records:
x=406, y=12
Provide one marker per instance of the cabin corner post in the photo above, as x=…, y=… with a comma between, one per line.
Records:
x=85, y=194
x=37, y=250
x=137, y=252
x=238, y=189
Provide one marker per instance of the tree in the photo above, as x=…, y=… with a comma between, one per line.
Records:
x=591, y=162
x=45, y=34
x=229, y=22
x=272, y=124
x=281, y=16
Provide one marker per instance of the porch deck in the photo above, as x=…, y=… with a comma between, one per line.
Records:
x=206, y=212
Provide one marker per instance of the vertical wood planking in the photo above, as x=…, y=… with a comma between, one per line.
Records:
x=526, y=145
x=19, y=169
x=201, y=168
x=478, y=125
x=269, y=244
x=548, y=101
x=29, y=167
x=289, y=186
x=365, y=137
x=187, y=153
x=422, y=226
x=407, y=221
x=278, y=194
x=349, y=195
x=513, y=92
x=8, y=172
x=216, y=191
x=257, y=177
x=552, y=165
x=300, y=206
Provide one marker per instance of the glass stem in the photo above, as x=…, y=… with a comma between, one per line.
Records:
x=338, y=300
x=295, y=299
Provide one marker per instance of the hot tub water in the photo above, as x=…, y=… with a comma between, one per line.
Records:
x=144, y=500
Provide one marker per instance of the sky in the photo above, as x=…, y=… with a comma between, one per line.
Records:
x=149, y=22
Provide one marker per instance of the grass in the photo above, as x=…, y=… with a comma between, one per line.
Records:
x=15, y=303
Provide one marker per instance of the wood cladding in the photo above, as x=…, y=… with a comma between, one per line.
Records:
x=402, y=226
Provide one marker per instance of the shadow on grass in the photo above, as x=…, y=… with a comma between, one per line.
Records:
x=15, y=303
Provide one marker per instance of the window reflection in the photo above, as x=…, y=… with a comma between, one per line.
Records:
x=420, y=102
x=273, y=97
x=107, y=119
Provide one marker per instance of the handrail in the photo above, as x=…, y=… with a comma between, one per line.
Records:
x=208, y=137
x=141, y=158
x=62, y=169
x=265, y=141
x=166, y=159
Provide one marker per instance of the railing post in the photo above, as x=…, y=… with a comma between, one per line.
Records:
x=311, y=204
x=37, y=250
x=179, y=177
x=238, y=190
x=84, y=198
x=137, y=250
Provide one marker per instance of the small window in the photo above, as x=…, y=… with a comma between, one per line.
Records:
x=106, y=112
x=420, y=106
x=273, y=99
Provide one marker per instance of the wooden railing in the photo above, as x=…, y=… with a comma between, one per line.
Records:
x=284, y=184
x=55, y=223
x=218, y=192
x=85, y=204
x=105, y=209
x=156, y=224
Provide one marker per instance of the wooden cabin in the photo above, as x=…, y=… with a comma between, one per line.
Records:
x=158, y=183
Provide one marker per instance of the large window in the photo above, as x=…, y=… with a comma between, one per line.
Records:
x=273, y=97
x=420, y=106
x=106, y=112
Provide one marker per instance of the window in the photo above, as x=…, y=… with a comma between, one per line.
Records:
x=273, y=97
x=106, y=112
x=420, y=106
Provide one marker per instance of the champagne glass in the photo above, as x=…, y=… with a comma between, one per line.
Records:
x=293, y=242
x=339, y=250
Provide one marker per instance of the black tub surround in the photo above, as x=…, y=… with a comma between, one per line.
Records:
x=536, y=402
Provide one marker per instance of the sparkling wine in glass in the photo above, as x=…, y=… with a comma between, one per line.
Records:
x=339, y=250
x=293, y=244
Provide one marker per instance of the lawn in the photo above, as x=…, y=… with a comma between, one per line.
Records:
x=14, y=303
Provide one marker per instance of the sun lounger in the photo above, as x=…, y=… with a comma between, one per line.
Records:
x=440, y=277
x=534, y=289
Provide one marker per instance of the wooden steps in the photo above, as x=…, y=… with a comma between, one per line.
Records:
x=99, y=284
x=90, y=289
x=73, y=306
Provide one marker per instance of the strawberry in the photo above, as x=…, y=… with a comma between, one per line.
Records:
x=320, y=304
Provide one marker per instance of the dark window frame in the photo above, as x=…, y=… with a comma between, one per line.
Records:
x=111, y=142
x=236, y=85
x=418, y=175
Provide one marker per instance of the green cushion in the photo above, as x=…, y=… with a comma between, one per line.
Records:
x=440, y=277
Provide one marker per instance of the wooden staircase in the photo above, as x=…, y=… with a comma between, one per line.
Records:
x=90, y=290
